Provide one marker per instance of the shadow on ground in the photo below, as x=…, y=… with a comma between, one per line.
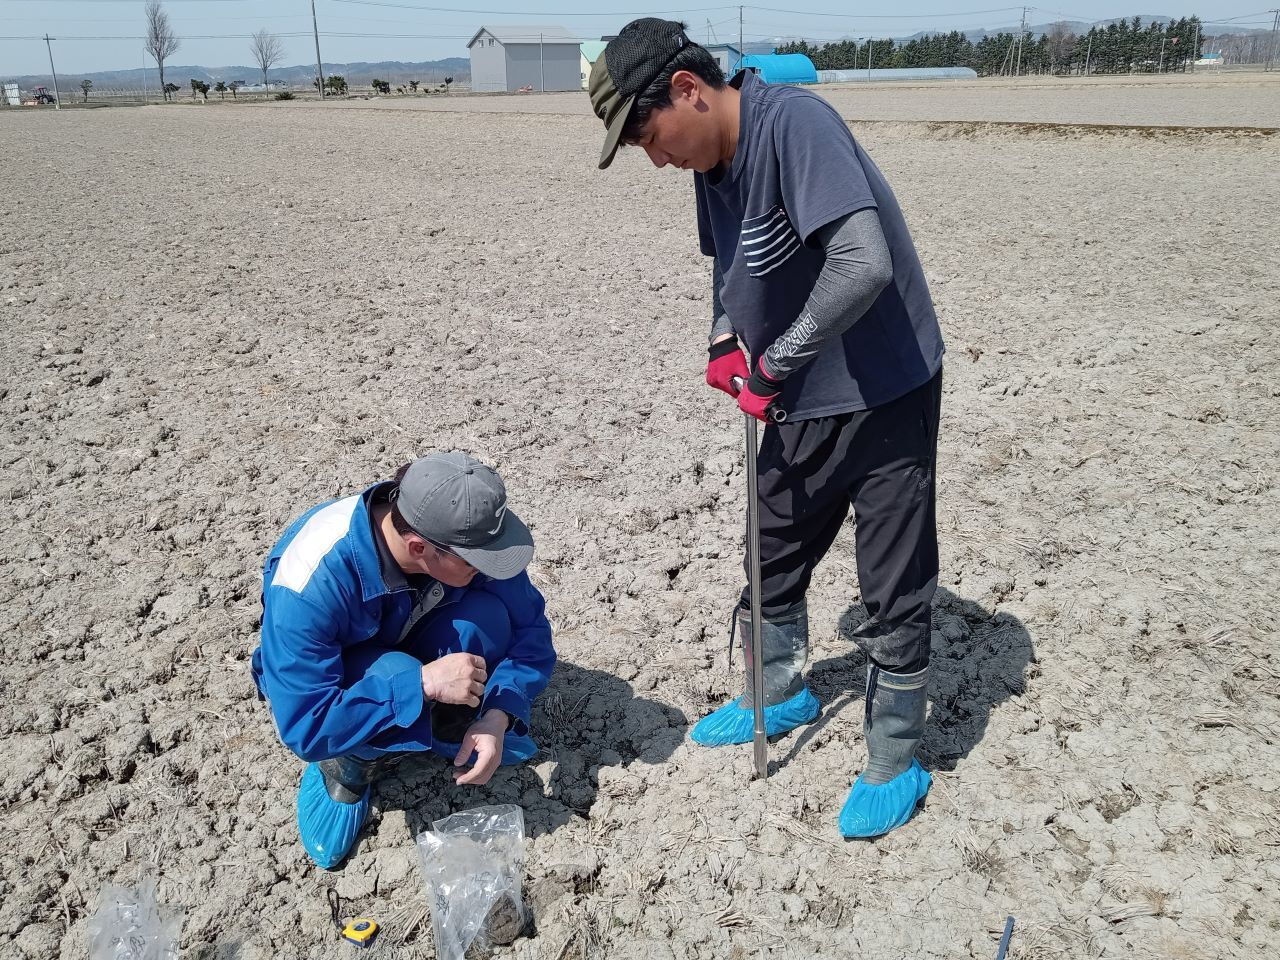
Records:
x=585, y=720
x=980, y=658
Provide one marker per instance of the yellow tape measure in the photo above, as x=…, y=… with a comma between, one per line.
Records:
x=358, y=930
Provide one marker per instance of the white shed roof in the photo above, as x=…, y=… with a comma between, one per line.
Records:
x=528, y=33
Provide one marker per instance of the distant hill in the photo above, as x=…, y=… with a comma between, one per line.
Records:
x=434, y=71
x=300, y=75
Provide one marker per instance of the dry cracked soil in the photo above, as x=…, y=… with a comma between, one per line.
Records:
x=215, y=317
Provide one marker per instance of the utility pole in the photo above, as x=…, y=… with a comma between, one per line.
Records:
x=741, y=52
x=1195, y=47
x=1271, y=48
x=1022, y=32
x=542, y=69
x=319, y=69
x=144, y=71
x=57, y=98
x=1088, y=53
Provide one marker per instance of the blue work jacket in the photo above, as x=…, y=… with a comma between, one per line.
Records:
x=324, y=592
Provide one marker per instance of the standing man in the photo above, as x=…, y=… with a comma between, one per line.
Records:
x=395, y=620
x=815, y=275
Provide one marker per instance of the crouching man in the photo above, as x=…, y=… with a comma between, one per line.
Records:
x=398, y=620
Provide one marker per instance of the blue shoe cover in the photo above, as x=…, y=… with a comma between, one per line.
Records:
x=734, y=723
x=516, y=748
x=875, y=809
x=328, y=827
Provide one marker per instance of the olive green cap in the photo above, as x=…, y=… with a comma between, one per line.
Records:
x=630, y=62
x=610, y=106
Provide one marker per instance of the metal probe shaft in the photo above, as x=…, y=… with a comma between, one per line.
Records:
x=759, y=737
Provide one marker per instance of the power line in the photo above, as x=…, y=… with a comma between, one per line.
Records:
x=756, y=31
x=626, y=13
x=359, y=17
x=1064, y=16
x=868, y=16
x=46, y=2
x=1243, y=16
x=185, y=36
x=550, y=41
x=527, y=12
x=283, y=16
x=323, y=33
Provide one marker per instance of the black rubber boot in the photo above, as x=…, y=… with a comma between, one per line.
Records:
x=346, y=778
x=788, y=703
x=894, y=724
x=784, y=642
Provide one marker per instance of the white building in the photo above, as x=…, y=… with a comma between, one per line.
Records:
x=526, y=56
x=727, y=55
x=591, y=50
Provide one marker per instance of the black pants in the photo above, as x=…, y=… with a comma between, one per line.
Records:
x=882, y=462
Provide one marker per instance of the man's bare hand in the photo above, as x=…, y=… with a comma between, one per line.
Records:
x=455, y=678
x=484, y=739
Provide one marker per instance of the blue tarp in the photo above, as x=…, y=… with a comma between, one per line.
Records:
x=781, y=67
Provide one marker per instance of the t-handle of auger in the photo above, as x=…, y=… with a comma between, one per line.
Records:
x=773, y=413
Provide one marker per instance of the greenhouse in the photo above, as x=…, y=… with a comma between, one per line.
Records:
x=781, y=67
x=907, y=73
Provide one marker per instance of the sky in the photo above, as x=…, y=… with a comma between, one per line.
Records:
x=94, y=35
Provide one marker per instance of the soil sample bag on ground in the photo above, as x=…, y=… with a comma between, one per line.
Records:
x=131, y=925
x=473, y=866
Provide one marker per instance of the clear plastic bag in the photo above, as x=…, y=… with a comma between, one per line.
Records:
x=473, y=865
x=131, y=925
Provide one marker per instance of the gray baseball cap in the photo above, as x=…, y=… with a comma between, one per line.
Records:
x=456, y=501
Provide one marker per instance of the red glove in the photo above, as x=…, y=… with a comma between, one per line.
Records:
x=759, y=394
x=726, y=362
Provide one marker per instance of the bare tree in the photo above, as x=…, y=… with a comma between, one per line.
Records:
x=1061, y=41
x=162, y=42
x=267, y=50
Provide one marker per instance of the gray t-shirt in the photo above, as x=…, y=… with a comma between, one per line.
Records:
x=796, y=169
